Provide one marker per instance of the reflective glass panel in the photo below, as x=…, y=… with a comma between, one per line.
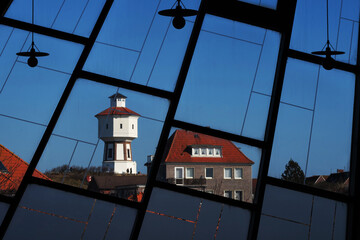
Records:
x=313, y=131
x=103, y=138
x=230, y=79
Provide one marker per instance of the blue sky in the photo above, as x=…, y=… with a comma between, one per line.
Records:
x=228, y=86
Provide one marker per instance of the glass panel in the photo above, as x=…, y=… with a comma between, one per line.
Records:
x=75, y=155
x=315, y=115
x=3, y=209
x=67, y=216
x=211, y=174
x=145, y=48
x=231, y=74
x=288, y=214
x=186, y=217
x=228, y=173
x=309, y=29
x=75, y=16
x=28, y=97
x=190, y=172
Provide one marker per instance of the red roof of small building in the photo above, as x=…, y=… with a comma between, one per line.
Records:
x=13, y=170
x=117, y=111
x=179, y=149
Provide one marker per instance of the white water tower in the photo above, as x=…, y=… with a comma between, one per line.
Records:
x=118, y=126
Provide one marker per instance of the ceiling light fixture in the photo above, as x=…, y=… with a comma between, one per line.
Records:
x=178, y=13
x=32, y=53
x=328, y=62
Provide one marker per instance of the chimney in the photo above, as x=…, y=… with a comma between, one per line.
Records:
x=340, y=170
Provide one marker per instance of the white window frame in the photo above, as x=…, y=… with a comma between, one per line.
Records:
x=232, y=195
x=193, y=152
x=231, y=173
x=186, y=173
x=211, y=154
x=242, y=195
x=206, y=177
x=201, y=151
x=219, y=152
x=182, y=172
x=242, y=173
x=210, y=191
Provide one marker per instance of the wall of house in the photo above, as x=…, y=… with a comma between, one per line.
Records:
x=218, y=184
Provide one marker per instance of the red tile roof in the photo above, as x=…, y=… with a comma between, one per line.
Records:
x=178, y=149
x=117, y=111
x=10, y=178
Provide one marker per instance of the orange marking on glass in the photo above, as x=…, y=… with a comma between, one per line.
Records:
x=177, y=218
x=218, y=224
x=197, y=218
x=54, y=215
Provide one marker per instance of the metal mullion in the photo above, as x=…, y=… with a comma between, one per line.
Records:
x=246, y=13
x=4, y=5
x=43, y=30
x=219, y=134
x=204, y=195
x=5, y=199
x=83, y=192
x=319, y=60
x=169, y=117
x=287, y=10
x=47, y=134
x=125, y=84
x=353, y=210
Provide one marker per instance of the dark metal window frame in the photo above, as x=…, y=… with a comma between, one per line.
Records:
x=279, y=20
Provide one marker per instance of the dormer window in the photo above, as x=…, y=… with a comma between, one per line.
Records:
x=217, y=152
x=205, y=151
x=195, y=151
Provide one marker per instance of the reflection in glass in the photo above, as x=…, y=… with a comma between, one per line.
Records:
x=224, y=175
x=313, y=133
x=102, y=139
x=230, y=79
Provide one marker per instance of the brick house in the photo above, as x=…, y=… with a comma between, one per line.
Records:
x=208, y=164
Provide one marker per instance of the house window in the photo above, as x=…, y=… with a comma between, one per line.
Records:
x=195, y=151
x=210, y=191
x=211, y=151
x=120, y=125
x=189, y=172
x=209, y=172
x=239, y=195
x=228, y=194
x=110, y=153
x=179, y=175
x=203, y=151
x=227, y=173
x=217, y=152
x=238, y=173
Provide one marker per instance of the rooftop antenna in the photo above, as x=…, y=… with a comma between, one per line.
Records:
x=31, y=52
x=178, y=13
x=328, y=62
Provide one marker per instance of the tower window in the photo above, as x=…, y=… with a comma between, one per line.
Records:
x=120, y=125
x=133, y=126
x=128, y=153
x=110, y=153
x=107, y=126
